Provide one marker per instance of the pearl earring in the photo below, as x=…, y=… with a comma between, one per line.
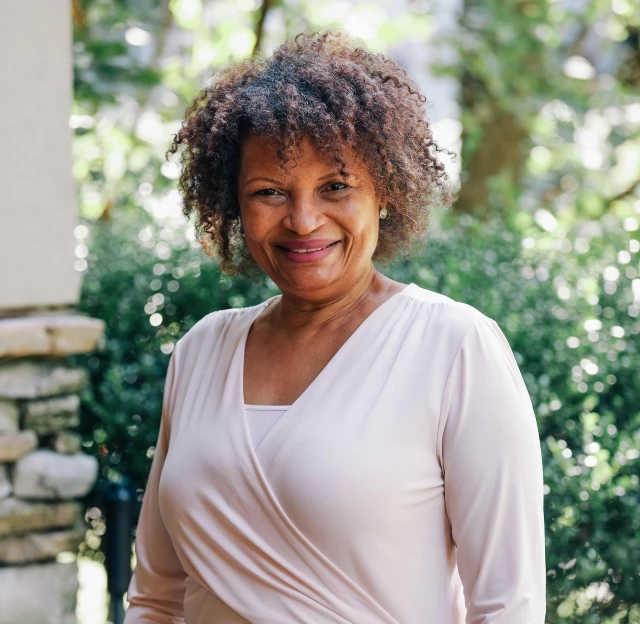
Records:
x=384, y=213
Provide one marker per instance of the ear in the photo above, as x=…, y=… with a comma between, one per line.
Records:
x=382, y=201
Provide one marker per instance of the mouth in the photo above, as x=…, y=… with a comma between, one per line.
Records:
x=307, y=251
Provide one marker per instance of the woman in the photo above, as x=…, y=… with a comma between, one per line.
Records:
x=355, y=450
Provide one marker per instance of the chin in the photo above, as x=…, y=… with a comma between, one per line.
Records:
x=309, y=280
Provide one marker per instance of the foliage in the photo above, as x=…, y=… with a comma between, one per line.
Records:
x=543, y=237
x=572, y=323
x=549, y=105
x=569, y=304
x=150, y=284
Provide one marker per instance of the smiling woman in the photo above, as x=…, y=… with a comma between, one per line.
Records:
x=342, y=99
x=354, y=450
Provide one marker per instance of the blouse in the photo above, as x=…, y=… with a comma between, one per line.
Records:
x=404, y=486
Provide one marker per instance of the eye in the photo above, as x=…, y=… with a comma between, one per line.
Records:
x=267, y=192
x=337, y=186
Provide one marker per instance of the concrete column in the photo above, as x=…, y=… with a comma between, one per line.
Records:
x=37, y=208
x=42, y=471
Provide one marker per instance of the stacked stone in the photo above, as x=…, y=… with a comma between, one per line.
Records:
x=42, y=469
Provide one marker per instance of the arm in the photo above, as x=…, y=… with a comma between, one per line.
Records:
x=156, y=591
x=490, y=453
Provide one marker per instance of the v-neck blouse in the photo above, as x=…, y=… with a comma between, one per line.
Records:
x=404, y=486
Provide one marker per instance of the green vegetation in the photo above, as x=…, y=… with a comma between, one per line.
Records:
x=543, y=238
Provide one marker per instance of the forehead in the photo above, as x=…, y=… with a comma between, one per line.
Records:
x=263, y=154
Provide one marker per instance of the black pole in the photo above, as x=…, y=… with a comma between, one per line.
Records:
x=119, y=500
x=117, y=609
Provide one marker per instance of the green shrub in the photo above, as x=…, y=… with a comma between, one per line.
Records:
x=564, y=300
x=566, y=304
x=150, y=284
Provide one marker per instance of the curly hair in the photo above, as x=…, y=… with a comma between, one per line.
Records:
x=342, y=97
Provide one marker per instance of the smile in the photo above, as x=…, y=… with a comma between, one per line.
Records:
x=306, y=251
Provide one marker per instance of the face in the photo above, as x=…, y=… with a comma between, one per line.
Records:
x=311, y=230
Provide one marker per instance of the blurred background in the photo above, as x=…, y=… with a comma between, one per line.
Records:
x=540, y=99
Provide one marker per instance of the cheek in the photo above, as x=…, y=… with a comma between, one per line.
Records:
x=256, y=221
x=361, y=220
x=259, y=224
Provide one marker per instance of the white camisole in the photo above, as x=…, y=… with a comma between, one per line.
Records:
x=261, y=418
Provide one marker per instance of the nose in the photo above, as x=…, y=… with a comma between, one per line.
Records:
x=304, y=215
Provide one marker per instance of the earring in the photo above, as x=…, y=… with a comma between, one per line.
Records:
x=384, y=213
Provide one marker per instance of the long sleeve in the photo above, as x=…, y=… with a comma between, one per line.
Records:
x=156, y=591
x=490, y=454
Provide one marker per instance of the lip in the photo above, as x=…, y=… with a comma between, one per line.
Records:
x=307, y=244
x=327, y=246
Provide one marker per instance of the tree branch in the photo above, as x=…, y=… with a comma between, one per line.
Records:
x=78, y=15
x=161, y=36
x=264, y=9
x=625, y=192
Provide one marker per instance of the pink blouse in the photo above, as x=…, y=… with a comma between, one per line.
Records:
x=404, y=486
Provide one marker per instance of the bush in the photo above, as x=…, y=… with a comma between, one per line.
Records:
x=564, y=299
x=566, y=303
x=150, y=284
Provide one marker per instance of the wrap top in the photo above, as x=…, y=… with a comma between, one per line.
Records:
x=404, y=486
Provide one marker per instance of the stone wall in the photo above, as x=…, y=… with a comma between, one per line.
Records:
x=42, y=468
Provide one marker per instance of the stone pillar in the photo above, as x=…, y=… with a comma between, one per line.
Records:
x=42, y=471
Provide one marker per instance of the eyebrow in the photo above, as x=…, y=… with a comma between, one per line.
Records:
x=260, y=178
x=320, y=179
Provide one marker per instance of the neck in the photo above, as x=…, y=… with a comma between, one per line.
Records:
x=294, y=312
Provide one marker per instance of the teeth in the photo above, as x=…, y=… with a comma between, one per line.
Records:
x=303, y=251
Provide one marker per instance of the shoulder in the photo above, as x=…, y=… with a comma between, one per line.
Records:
x=207, y=332
x=461, y=333
x=445, y=316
